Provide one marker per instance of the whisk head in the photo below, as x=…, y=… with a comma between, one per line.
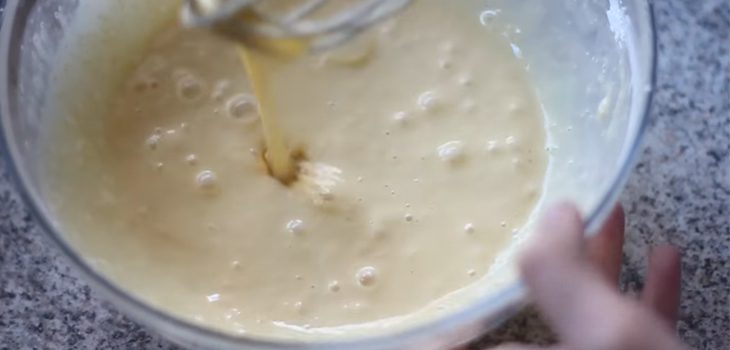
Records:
x=322, y=24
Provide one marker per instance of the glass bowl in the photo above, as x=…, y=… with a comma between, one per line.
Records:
x=591, y=61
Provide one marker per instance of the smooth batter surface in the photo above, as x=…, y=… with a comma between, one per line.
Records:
x=425, y=146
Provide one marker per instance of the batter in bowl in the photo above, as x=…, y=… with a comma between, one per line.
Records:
x=422, y=149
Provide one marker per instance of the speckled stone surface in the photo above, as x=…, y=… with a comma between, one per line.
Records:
x=679, y=193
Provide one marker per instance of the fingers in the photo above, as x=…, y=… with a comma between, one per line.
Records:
x=662, y=289
x=606, y=249
x=585, y=309
x=568, y=290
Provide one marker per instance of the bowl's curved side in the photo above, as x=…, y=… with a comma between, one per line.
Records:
x=485, y=315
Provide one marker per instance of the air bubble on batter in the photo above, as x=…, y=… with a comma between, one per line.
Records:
x=295, y=226
x=445, y=64
x=206, y=179
x=153, y=141
x=493, y=146
x=232, y=313
x=299, y=307
x=401, y=118
x=447, y=47
x=388, y=26
x=212, y=298
x=487, y=17
x=367, y=276
x=334, y=286
x=219, y=90
x=532, y=192
x=469, y=228
x=242, y=107
x=191, y=159
x=189, y=88
x=466, y=80
x=452, y=151
x=429, y=101
x=352, y=306
x=515, y=107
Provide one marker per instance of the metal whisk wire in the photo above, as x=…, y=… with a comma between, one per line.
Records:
x=225, y=16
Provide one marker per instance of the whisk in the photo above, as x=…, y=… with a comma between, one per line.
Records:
x=251, y=21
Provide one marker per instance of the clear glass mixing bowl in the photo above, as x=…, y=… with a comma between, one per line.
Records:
x=592, y=62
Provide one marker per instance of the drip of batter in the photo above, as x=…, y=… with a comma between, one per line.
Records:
x=278, y=157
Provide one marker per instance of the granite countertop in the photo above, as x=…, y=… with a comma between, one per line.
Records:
x=679, y=194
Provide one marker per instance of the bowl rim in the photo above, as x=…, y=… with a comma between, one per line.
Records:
x=486, y=313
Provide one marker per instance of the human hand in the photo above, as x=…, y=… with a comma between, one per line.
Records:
x=576, y=287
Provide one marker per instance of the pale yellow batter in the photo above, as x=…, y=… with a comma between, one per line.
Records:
x=423, y=146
